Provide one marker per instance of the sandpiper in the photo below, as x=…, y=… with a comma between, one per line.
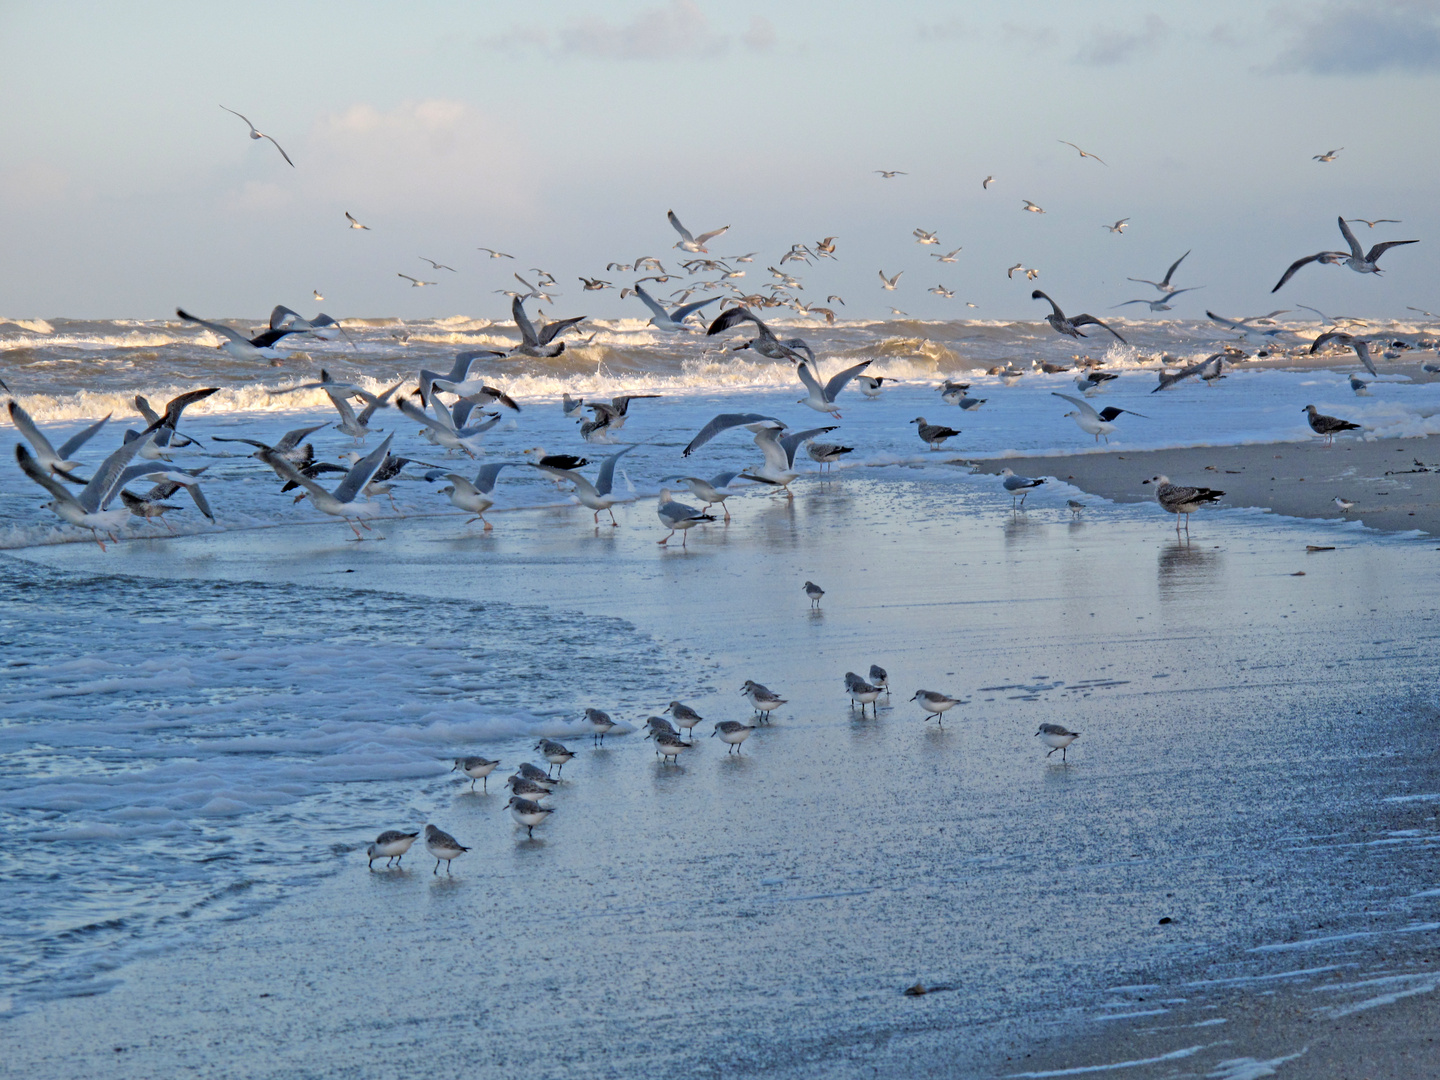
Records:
x=527, y=789
x=669, y=745
x=861, y=691
x=390, y=844
x=763, y=698
x=528, y=813
x=934, y=704
x=814, y=592
x=477, y=768
x=732, y=732
x=1056, y=737
x=880, y=677
x=536, y=774
x=555, y=753
x=685, y=716
x=601, y=723
x=443, y=847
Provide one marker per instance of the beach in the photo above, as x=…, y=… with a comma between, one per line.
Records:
x=762, y=913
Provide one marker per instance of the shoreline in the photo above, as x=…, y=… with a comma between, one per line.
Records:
x=1300, y=480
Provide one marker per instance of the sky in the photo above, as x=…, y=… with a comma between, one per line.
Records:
x=562, y=132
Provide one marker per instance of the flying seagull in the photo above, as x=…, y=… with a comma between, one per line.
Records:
x=437, y=266
x=353, y=223
x=1377, y=221
x=1361, y=347
x=541, y=343
x=822, y=398
x=343, y=502
x=1329, y=155
x=1082, y=153
x=256, y=134
x=495, y=254
x=1358, y=259
x=1164, y=283
x=1119, y=226
x=687, y=242
x=1070, y=326
x=766, y=344
x=890, y=174
x=47, y=457
x=1031, y=207
x=673, y=321
x=888, y=284
x=237, y=344
x=1163, y=303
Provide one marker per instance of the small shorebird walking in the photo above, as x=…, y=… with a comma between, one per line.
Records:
x=861, y=691
x=1056, y=737
x=392, y=845
x=528, y=813
x=934, y=704
x=814, y=592
x=477, y=768
x=762, y=698
x=685, y=716
x=443, y=847
x=732, y=732
x=555, y=753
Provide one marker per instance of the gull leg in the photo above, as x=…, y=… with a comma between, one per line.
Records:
x=613, y=522
x=726, y=509
x=96, y=535
x=488, y=526
x=356, y=532
x=667, y=539
x=166, y=523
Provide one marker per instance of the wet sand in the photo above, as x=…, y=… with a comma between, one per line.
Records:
x=1390, y=491
x=762, y=914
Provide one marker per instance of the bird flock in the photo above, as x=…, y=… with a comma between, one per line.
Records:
x=530, y=786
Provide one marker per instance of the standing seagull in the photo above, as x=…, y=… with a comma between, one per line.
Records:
x=1092, y=422
x=1329, y=426
x=934, y=434
x=676, y=516
x=712, y=491
x=1164, y=283
x=1020, y=485
x=687, y=242
x=255, y=134
x=1180, y=500
x=1357, y=258
x=1068, y=326
x=1361, y=347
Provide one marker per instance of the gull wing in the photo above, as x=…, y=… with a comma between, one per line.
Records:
x=373, y=403
x=176, y=405
x=283, y=316
x=1362, y=350
x=422, y=417
x=650, y=302
x=724, y=422
x=705, y=237
x=527, y=328
x=1039, y=295
x=606, y=477
x=722, y=480
x=31, y=468
x=812, y=384
x=1297, y=264
x=684, y=232
x=682, y=313
x=732, y=317
x=568, y=474
x=1127, y=303
x=1140, y=280
x=1332, y=335
x=1356, y=251
x=196, y=495
x=290, y=439
x=347, y=414
x=1380, y=249
x=252, y=442
x=362, y=471
x=1176, y=292
x=1084, y=406
x=143, y=408
x=278, y=147
x=837, y=382
x=26, y=426
x=213, y=327
x=767, y=439
x=292, y=476
x=1091, y=320
x=1171, y=271
x=791, y=443
x=475, y=354
x=550, y=330
x=486, y=477
x=1110, y=412
x=477, y=429
x=70, y=445
x=465, y=487
x=1228, y=323
x=102, y=486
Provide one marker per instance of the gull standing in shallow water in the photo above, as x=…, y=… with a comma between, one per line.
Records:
x=1180, y=500
x=1019, y=485
x=442, y=847
x=712, y=491
x=390, y=845
x=678, y=517
x=1329, y=426
x=1056, y=737
x=934, y=704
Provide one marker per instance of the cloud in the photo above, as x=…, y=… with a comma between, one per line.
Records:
x=679, y=29
x=1361, y=39
x=1034, y=36
x=946, y=30
x=435, y=153
x=1105, y=48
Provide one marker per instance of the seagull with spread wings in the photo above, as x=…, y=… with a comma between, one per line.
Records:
x=256, y=134
x=671, y=321
x=1069, y=326
x=694, y=244
x=1357, y=258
